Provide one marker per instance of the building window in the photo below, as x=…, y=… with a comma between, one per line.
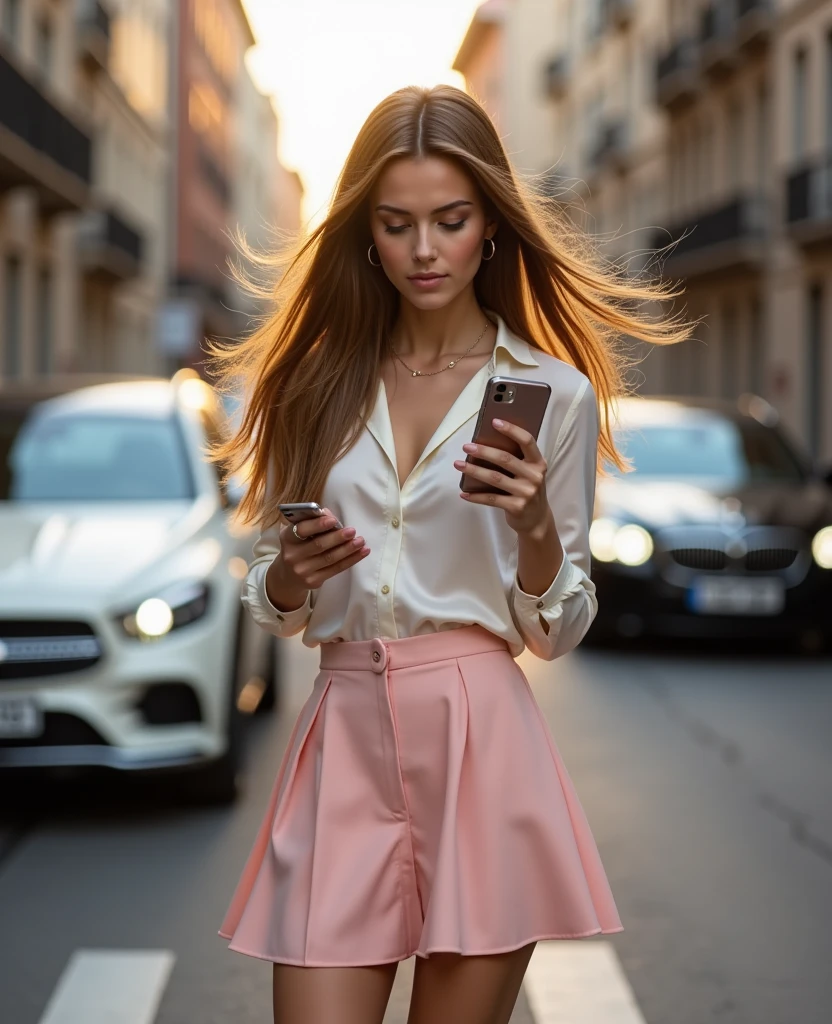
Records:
x=44, y=321
x=799, y=99
x=11, y=318
x=763, y=149
x=814, y=367
x=43, y=47
x=11, y=21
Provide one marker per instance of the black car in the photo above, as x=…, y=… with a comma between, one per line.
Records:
x=722, y=529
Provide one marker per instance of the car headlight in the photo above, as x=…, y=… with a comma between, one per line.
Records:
x=629, y=543
x=172, y=608
x=822, y=547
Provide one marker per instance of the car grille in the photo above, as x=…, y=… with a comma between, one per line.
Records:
x=770, y=559
x=39, y=647
x=714, y=560
x=59, y=730
x=699, y=558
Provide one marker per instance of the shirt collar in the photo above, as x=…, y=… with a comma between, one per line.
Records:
x=508, y=342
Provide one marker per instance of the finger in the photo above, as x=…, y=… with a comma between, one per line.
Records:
x=493, y=477
x=318, y=578
x=307, y=528
x=520, y=467
x=323, y=557
x=527, y=443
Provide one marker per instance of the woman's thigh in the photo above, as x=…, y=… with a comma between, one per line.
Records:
x=331, y=995
x=453, y=989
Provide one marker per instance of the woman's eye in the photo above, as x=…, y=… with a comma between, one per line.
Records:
x=455, y=226
x=394, y=229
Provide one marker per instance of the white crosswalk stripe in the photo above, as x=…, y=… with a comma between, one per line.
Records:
x=110, y=987
x=579, y=982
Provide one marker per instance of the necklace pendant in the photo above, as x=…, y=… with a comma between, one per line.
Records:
x=415, y=373
x=451, y=364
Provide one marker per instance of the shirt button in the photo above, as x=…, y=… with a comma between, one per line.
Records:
x=540, y=604
x=385, y=589
x=376, y=656
x=280, y=618
x=395, y=521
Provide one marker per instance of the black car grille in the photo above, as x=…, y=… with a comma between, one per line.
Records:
x=59, y=730
x=44, y=647
x=699, y=558
x=770, y=559
x=714, y=560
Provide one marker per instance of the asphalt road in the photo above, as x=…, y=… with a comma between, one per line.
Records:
x=707, y=780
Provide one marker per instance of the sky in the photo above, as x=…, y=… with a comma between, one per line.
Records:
x=328, y=62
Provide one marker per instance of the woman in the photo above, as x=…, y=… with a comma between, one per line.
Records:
x=421, y=805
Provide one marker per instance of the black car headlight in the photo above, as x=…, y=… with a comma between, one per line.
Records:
x=172, y=608
x=627, y=543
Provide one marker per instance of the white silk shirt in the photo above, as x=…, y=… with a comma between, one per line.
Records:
x=437, y=562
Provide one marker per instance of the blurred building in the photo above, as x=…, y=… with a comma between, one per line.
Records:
x=707, y=123
x=481, y=57
x=122, y=236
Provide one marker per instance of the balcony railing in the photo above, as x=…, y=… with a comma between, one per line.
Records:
x=39, y=145
x=717, y=37
x=556, y=76
x=677, y=75
x=93, y=26
x=809, y=202
x=729, y=236
x=754, y=21
x=108, y=246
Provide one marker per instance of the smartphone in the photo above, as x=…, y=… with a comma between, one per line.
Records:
x=297, y=511
x=516, y=401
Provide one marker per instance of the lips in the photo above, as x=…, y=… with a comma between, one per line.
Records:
x=426, y=277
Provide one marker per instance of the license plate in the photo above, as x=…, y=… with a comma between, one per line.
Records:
x=19, y=717
x=714, y=595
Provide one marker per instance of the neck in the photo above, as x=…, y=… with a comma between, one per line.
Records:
x=432, y=335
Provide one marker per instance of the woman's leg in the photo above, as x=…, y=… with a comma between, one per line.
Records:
x=331, y=995
x=453, y=989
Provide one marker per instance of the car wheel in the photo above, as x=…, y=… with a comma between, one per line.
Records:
x=270, y=699
x=218, y=782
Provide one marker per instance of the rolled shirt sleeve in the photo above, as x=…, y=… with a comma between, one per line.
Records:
x=555, y=622
x=254, y=597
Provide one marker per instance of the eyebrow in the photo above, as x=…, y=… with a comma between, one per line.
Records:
x=439, y=209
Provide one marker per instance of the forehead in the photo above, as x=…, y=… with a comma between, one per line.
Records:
x=425, y=182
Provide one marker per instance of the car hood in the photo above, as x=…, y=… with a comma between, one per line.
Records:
x=659, y=503
x=86, y=548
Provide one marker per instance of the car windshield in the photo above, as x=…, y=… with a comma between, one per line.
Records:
x=50, y=456
x=712, y=448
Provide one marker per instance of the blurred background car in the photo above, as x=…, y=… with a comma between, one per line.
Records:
x=123, y=641
x=723, y=528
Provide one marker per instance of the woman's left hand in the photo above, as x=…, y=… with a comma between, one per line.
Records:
x=526, y=505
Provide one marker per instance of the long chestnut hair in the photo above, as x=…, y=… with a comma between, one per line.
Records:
x=309, y=370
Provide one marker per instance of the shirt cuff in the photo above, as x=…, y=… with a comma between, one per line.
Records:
x=566, y=579
x=296, y=617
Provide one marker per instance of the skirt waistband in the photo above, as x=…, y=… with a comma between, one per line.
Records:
x=377, y=654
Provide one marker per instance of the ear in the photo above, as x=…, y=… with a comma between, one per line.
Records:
x=491, y=228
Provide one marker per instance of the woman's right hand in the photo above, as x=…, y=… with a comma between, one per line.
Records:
x=321, y=552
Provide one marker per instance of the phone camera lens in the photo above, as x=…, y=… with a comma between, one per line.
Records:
x=498, y=398
x=501, y=387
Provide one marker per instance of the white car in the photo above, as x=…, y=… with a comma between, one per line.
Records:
x=123, y=640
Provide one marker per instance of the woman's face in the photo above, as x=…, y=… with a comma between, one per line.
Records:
x=427, y=218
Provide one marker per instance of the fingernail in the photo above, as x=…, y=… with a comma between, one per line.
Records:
x=469, y=447
x=349, y=532
x=358, y=541
x=365, y=551
x=459, y=463
x=497, y=423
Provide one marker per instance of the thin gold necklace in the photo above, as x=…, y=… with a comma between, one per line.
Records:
x=453, y=362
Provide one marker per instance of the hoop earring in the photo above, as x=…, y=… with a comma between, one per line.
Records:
x=493, y=250
x=370, y=258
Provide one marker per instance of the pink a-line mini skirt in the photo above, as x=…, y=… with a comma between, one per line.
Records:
x=421, y=806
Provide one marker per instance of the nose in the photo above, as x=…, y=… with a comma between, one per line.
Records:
x=423, y=250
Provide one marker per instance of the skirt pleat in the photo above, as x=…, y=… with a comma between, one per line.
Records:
x=421, y=806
